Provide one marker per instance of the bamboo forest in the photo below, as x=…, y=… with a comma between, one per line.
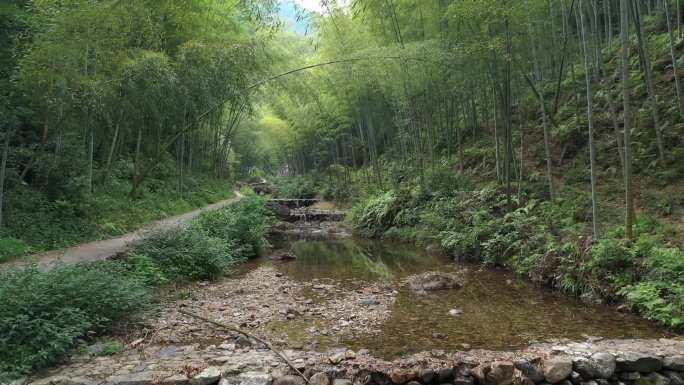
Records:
x=341, y=192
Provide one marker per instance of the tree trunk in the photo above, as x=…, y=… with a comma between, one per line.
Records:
x=545, y=123
x=673, y=55
x=646, y=64
x=3, y=173
x=590, y=117
x=626, y=98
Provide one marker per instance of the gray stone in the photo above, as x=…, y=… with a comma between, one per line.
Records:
x=208, y=376
x=319, y=379
x=177, y=379
x=289, y=380
x=629, y=376
x=530, y=371
x=674, y=363
x=140, y=378
x=602, y=381
x=557, y=369
x=600, y=365
x=342, y=381
x=605, y=364
x=639, y=362
x=496, y=373
x=247, y=378
x=658, y=379
x=589, y=383
x=427, y=376
x=675, y=377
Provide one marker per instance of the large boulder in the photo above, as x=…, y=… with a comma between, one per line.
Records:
x=599, y=365
x=557, y=369
x=496, y=373
x=639, y=362
x=434, y=280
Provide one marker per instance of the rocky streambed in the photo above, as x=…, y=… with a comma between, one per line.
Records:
x=353, y=312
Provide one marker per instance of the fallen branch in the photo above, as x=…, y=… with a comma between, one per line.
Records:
x=236, y=330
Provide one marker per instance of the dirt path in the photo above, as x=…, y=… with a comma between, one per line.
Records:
x=104, y=249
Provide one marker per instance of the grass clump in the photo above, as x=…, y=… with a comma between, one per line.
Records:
x=44, y=313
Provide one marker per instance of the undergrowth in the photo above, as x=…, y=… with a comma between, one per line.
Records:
x=544, y=241
x=46, y=312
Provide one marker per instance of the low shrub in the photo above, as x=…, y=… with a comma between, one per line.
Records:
x=186, y=254
x=244, y=225
x=12, y=247
x=44, y=313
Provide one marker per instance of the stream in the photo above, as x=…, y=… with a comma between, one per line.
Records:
x=497, y=311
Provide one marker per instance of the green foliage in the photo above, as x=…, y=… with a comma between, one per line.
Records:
x=44, y=313
x=376, y=214
x=41, y=224
x=296, y=187
x=244, y=225
x=188, y=254
x=112, y=347
x=13, y=247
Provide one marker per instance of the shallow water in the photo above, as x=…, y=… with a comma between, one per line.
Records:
x=498, y=311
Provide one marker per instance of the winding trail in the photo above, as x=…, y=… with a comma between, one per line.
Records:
x=108, y=248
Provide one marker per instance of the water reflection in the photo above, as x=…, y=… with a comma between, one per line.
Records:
x=498, y=312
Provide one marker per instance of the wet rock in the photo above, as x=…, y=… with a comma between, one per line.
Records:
x=496, y=373
x=639, y=362
x=401, y=376
x=565, y=382
x=289, y=380
x=599, y=365
x=675, y=377
x=445, y=375
x=413, y=383
x=530, y=371
x=674, y=363
x=589, y=383
x=208, y=376
x=319, y=379
x=428, y=376
x=434, y=280
x=557, y=369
